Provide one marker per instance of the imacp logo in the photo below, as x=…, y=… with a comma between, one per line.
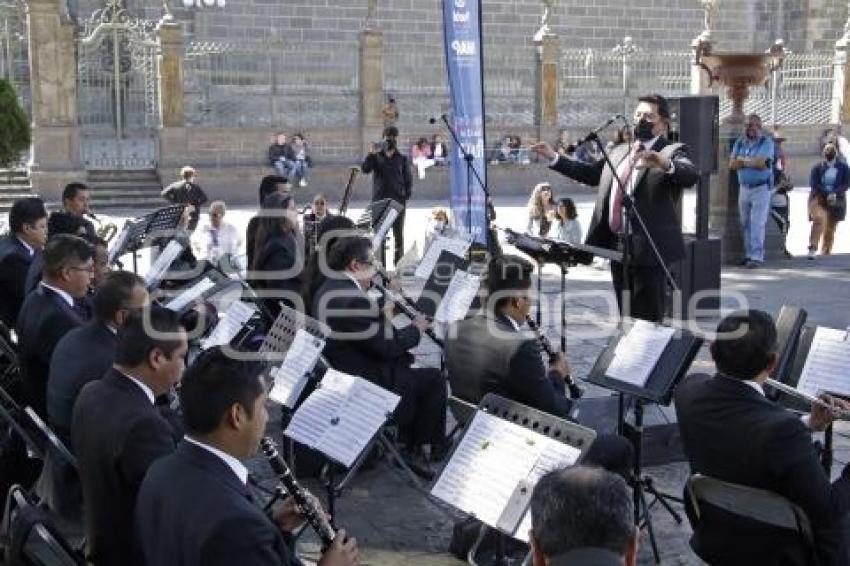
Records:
x=463, y=48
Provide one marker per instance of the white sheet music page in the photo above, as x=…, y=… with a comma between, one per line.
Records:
x=455, y=246
x=314, y=416
x=190, y=294
x=229, y=325
x=163, y=261
x=826, y=365
x=493, y=457
x=638, y=352
x=292, y=374
x=459, y=296
x=381, y=233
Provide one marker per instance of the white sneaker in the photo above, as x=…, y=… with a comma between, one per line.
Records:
x=302, y=183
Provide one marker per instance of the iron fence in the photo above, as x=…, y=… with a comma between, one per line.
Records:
x=14, y=58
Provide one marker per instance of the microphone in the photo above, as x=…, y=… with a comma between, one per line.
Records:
x=91, y=215
x=432, y=120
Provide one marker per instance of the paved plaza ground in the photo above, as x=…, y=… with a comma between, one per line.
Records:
x=395, y=524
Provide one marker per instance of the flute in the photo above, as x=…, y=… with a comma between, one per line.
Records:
x=407, y=310
x=314, y=516
x=575, y=391
x=841, y=414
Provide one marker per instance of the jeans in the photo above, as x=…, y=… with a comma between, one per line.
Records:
x=754, y=207
x=293, y=170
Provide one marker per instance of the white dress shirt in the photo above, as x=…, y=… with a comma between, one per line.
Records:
x=64, y=294
x=147, y=390
x=28, y=247
x=233, y=463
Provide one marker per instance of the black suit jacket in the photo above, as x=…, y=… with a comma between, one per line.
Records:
x=363, y=342
x=82, y=355
x=733, y=433
x=194, y=511
x=44, y=319
x=278, y=269
x=15, y=261
x=656, y=197
x=117, y=434
x=489, y=355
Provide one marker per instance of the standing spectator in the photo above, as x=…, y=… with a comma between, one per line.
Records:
x=187, y=191
x=780, y=203
x=301, y=162
x=836, y=136
x=420, y=154
x=827, y=202
x=28, y=234
x=281, y=155
x=217, y=240
x=391, y=179
x=390, y=113
x=439, y=150
x=566, y=226
x=752, y=158
x=541, y=210
x=75, y=206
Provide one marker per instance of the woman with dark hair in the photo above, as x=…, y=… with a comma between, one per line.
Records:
x=278, y=254
x=566, y=226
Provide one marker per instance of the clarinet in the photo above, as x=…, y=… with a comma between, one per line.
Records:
x=407, y=310
x=575, y=391
x=314, y=516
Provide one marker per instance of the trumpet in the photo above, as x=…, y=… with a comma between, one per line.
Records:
x=840, y=414
x=105, y=230
x=576, y=392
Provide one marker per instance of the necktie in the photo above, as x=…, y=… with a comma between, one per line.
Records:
x=624, y=172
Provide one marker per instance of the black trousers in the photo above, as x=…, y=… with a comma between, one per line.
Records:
x=647, y=296
x=421, y=412
x=398, y=239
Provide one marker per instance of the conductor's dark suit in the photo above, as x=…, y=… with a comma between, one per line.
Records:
x=194, y=511
x=44, y=319
x=365, y=344
x=117, y=434
x=731, y=432
x=656, y=197
x=15, y=260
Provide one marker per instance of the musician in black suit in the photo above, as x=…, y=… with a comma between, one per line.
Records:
x=195, y=507
x=491, y=353
x=51, y=311
x=655, y=177
x=365, y=343
x=120, y=294
x=64, y=223
x=732, y=432
x=118, y=433
x=28, y=234
x=75, y=205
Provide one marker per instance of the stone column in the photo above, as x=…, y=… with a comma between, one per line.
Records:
x=371, y=86
x=546, y=101
x=53, y=80
x=724, y=220
x=172, y=133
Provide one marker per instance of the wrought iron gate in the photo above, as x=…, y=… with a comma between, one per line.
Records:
x=117, y=94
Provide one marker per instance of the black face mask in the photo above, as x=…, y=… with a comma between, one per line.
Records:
x=643, y=131
x=390, y=144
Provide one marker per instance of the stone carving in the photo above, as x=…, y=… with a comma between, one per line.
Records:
x=545, y=20
x=371, y=9
x=709, y=8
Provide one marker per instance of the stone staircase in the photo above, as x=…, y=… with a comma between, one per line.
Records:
x=124, y=190
x=14, y=184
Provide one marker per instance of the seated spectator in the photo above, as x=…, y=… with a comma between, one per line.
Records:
x=566, y=226
x=420, y=154
x=518, y=154
x=563, y=145
x=281, y=156
x=301, y=162
x=439, y=150
x=541, y=210
x=582, y=516
x=437, y=224
x=218, y=241
x=502, y=151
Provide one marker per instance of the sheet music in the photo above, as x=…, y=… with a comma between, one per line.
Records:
x=455, y=246
x=341, y=416
x=826, y=365
x=493, y=457
x=190, y=294
x=229, y=325
x=378, y=238
x=458, y=297
x=164, y=261
x=638, y=352
x=292, y=374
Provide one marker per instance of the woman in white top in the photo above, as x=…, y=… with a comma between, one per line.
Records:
x=541, y=210
x=566, y=226
x=217, y=239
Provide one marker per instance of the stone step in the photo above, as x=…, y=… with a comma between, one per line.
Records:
x=98, y=177
x=125, y=187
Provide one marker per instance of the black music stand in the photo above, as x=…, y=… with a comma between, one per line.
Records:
x=542, y=423
x=670, y=368
x=136, y=233
x=374, y=218
x=438, y=282
x=217, y=283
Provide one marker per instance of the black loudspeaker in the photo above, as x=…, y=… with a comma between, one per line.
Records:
x=698, y=272
x=695, y=121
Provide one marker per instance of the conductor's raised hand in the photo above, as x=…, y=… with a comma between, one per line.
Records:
x=544, y=150
x=343, y=552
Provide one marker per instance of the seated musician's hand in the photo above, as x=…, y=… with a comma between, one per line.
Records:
x=287, y=515
x=559, y=364
x=342, y=552
x=421, y=323
x=544, y=149
x=821, y=417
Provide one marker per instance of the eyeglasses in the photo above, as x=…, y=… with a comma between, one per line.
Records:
x=89, y=269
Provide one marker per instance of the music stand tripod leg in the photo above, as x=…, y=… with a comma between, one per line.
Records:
x=640, y=504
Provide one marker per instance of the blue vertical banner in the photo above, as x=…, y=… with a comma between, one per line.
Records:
x=464, y=64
